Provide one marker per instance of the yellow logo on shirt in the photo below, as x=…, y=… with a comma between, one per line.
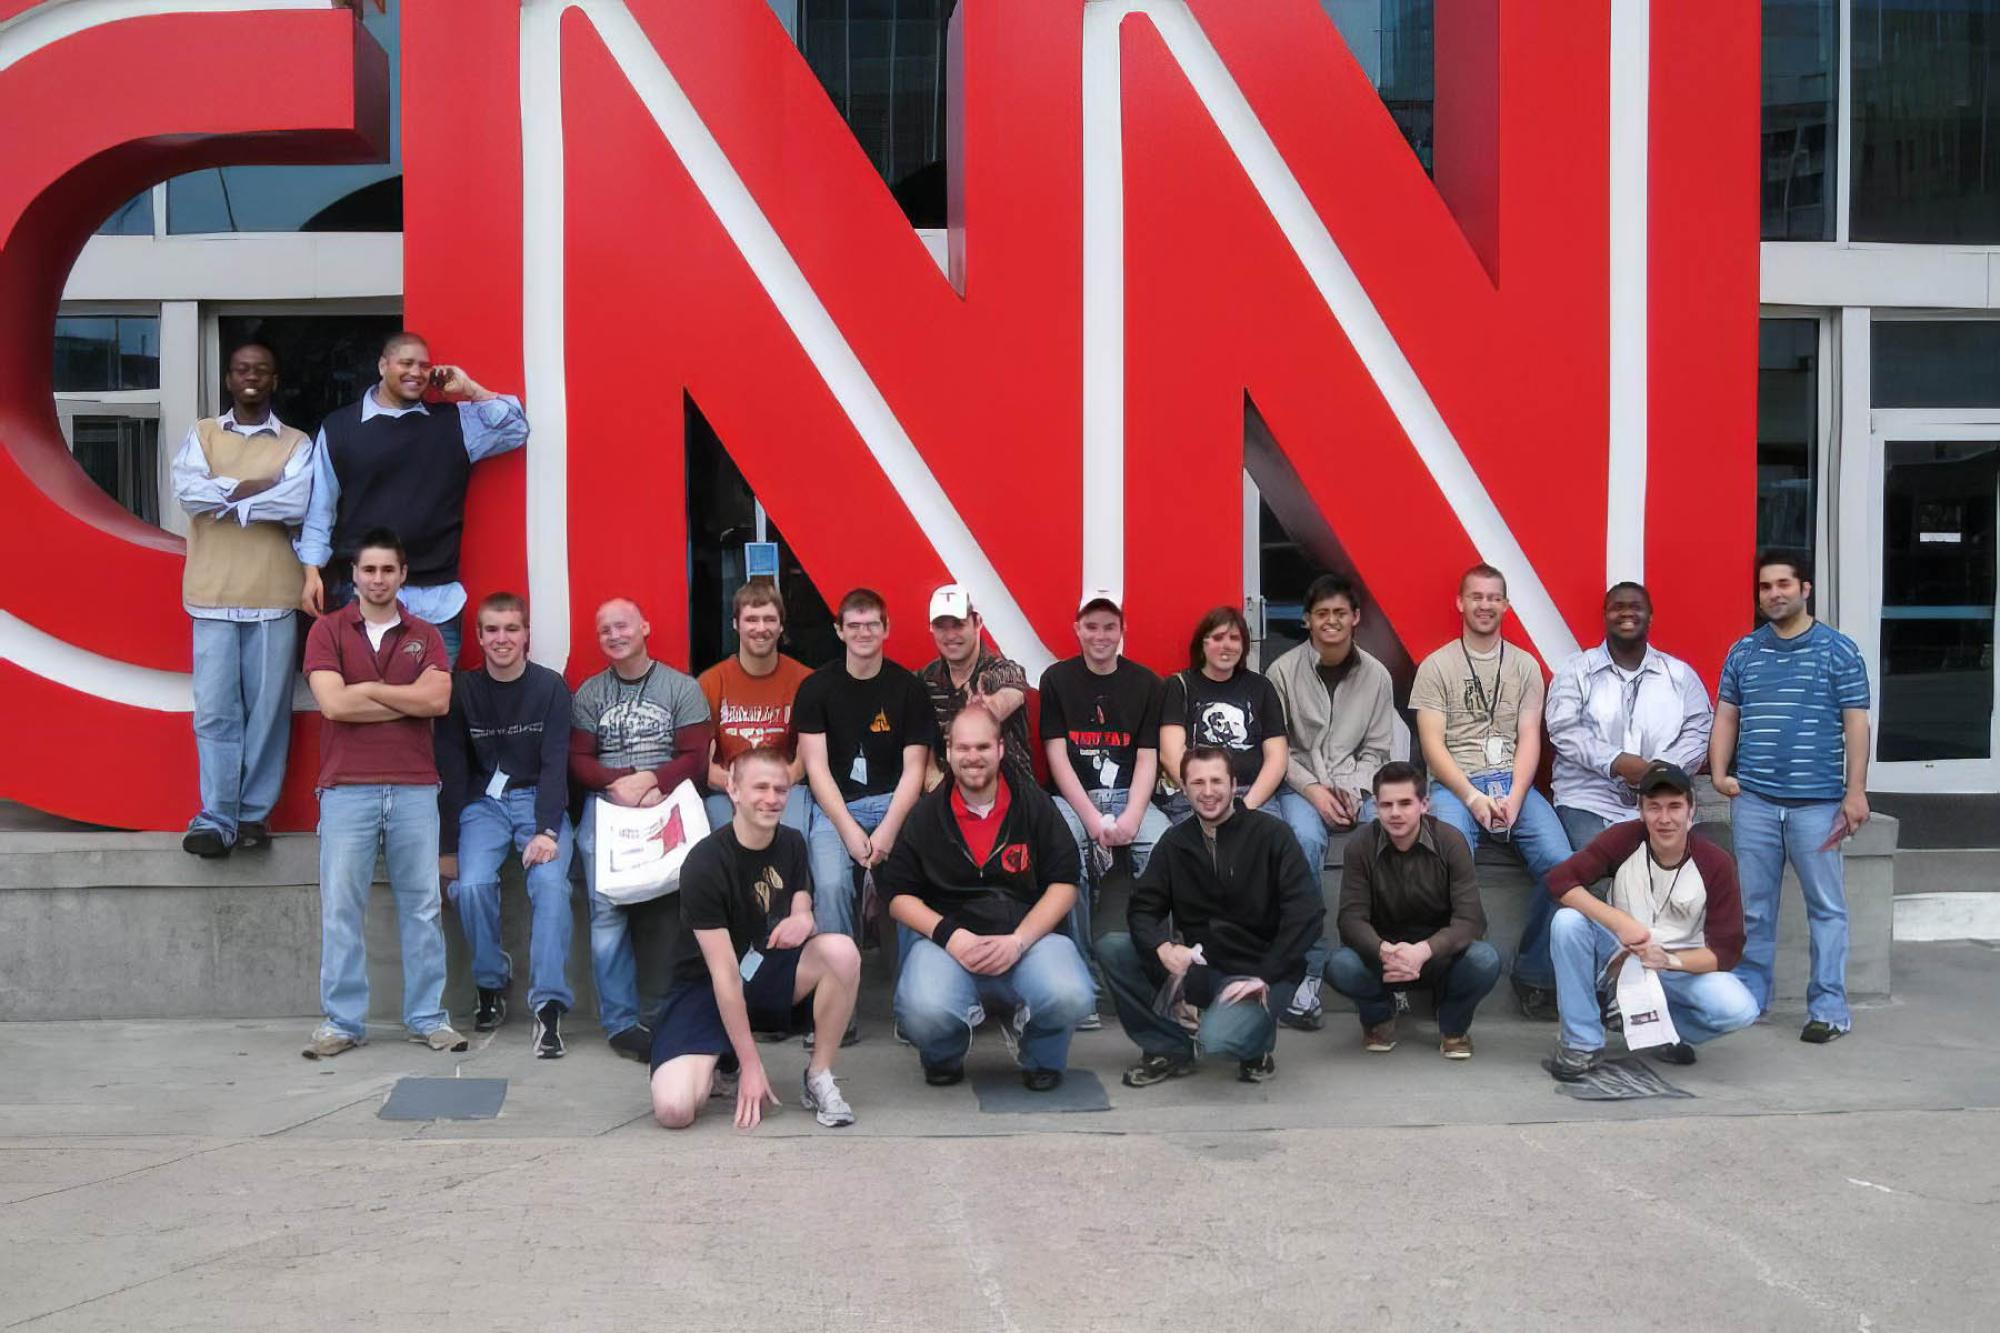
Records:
x=769, y=885
x=881, y=722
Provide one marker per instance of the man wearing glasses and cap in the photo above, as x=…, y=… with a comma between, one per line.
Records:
x=1673, y=905
x=965, y=672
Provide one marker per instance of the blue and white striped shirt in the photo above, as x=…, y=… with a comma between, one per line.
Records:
x=1790, y=694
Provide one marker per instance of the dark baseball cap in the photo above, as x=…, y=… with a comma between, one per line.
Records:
x=1663, y=776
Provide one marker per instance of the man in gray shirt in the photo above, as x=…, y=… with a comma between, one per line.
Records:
x=638, y=729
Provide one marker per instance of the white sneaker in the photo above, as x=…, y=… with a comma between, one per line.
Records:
x=823, y=1099
x=440, y=1038
x=328, y=1041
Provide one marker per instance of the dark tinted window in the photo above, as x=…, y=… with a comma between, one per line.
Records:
x=1801, y=88
x=1787, y=433
x=1926, y=121
x=1935, y=363
x=107, y=353
x=1394, y=41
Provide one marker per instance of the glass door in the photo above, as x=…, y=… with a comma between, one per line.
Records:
x=1934, y=680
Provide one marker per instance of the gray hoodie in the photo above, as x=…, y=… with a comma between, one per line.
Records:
x=1339, y=740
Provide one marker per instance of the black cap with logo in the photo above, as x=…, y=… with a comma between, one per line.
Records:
x=1663, y=776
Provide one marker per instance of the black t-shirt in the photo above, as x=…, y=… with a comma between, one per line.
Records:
x=866, y=724
x=726, y=886
x=1104, y=720
x=1238, y=714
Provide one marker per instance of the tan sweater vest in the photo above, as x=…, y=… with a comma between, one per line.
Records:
x=228, y=564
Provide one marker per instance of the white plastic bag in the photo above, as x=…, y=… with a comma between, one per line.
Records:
x=640, y=848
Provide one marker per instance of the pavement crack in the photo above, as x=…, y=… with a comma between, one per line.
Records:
x=175, y=1271
x=122, y=1175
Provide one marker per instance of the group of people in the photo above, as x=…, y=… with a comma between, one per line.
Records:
x=861, y=789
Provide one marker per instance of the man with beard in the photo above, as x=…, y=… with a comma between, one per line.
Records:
x=750, y=697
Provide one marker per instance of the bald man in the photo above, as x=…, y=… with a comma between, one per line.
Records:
x=638, y=729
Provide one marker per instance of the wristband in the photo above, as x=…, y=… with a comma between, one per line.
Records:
x=942, y=932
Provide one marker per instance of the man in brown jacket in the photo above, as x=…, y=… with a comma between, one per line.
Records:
x=244, y=479
x=1410, y=916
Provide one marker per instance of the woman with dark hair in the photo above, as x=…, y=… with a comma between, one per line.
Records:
x=1218, y=701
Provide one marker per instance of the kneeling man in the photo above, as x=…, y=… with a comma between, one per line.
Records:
x=749, y=961
x=1234, y=886
x=1674, y=905
x=1410, y=915
x=980, y=883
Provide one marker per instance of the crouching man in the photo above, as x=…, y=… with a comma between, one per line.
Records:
x=1410, y=916
x=749, y=961
x=1234, y=886
x=980, y=883
x=1674, y=905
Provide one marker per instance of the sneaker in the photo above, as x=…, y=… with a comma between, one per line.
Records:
x=722, y=1088
x=328, y=1041
x=1680, y=1053
x=1158, y=1069
x=848, y=1038
x=1569, y=1064
x=1381, y=1037
x=204, y=842
x=1256, y=1071
x=943, y=1076
x=634, y=1043
x=492, y=1011
x=1537, y=1004
x=823, y=1099
x=548, y=1031
x=1819, y=1032
x=440, y=1038
x=1091, y=1022
x=252, y=835
x=1455, y=1048
x=1305, y=1020
x=1041, y=1080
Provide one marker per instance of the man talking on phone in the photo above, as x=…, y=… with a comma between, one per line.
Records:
x=390, y=461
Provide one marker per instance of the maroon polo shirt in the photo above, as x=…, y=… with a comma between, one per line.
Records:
x=356, y=754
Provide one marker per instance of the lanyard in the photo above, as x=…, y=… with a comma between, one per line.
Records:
x=623, y=702
x=1660, y=905
x=1492, y=706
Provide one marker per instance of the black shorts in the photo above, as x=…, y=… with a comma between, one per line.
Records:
x=691, y=1023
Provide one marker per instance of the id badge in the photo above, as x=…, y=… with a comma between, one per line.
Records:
x=751, y=962
x=497, y=788
x=1496, y=751
x=859, y=773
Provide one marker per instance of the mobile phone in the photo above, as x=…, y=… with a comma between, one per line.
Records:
x=439, y=374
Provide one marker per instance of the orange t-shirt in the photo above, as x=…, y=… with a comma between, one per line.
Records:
x=752, y=710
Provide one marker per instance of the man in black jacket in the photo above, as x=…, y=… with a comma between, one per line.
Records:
x=1234, y=886
x=503, y=760
x=980, y=883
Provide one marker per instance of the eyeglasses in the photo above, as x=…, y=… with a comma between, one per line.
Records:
x=862, y=626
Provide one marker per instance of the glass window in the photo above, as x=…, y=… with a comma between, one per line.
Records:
x=883, y=64
x=1937, y=599
x=722, y=516
x=1936, y=363
x=1787, y=433
x=1926, y=121
x=134, y=217
x=122, y=455
x=324, y=361
x=1395, y=43
x=107, y=353
x=365, y=197
x=1801, y=91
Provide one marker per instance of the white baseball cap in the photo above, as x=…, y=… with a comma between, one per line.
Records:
x=951, y=601
x=1100, y=597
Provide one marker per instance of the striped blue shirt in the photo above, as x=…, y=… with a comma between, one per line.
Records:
x=1790, y=693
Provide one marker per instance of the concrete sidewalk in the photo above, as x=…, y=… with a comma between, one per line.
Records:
x=202, y=1175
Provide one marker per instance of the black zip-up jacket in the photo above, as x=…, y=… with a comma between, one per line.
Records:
x=932, y=863
x=1254, y=912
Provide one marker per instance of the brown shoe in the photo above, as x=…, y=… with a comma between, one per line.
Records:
x=1455, y=1048
x=1381, y=1037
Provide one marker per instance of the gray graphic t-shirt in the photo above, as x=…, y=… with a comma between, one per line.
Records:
x=635, y=720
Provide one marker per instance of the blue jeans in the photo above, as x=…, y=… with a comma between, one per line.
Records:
x=1703, y=1005
x=453, y=635
x=1459, y=983
x=1314, y=835
x=1242, y=1031
x=1767, y=834
x=1152, y=826
x=798, y=809
x=1539, y=840
x=612, y=965
x=938, y=1002
x=836, y=893
x=402, y=823
x=1580, y=826
x=487, y=831
x=243, y=674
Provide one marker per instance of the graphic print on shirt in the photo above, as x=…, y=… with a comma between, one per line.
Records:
x=1014, y=858
x=757, y=724
x=770, y=887
x=1097, y=744
x=881, y=722
x=1224, y=724
x=635, y=724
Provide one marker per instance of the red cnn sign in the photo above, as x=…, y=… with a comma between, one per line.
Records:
x=1165, y=212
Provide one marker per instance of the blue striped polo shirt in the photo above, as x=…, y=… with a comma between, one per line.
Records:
x=1790, y=693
